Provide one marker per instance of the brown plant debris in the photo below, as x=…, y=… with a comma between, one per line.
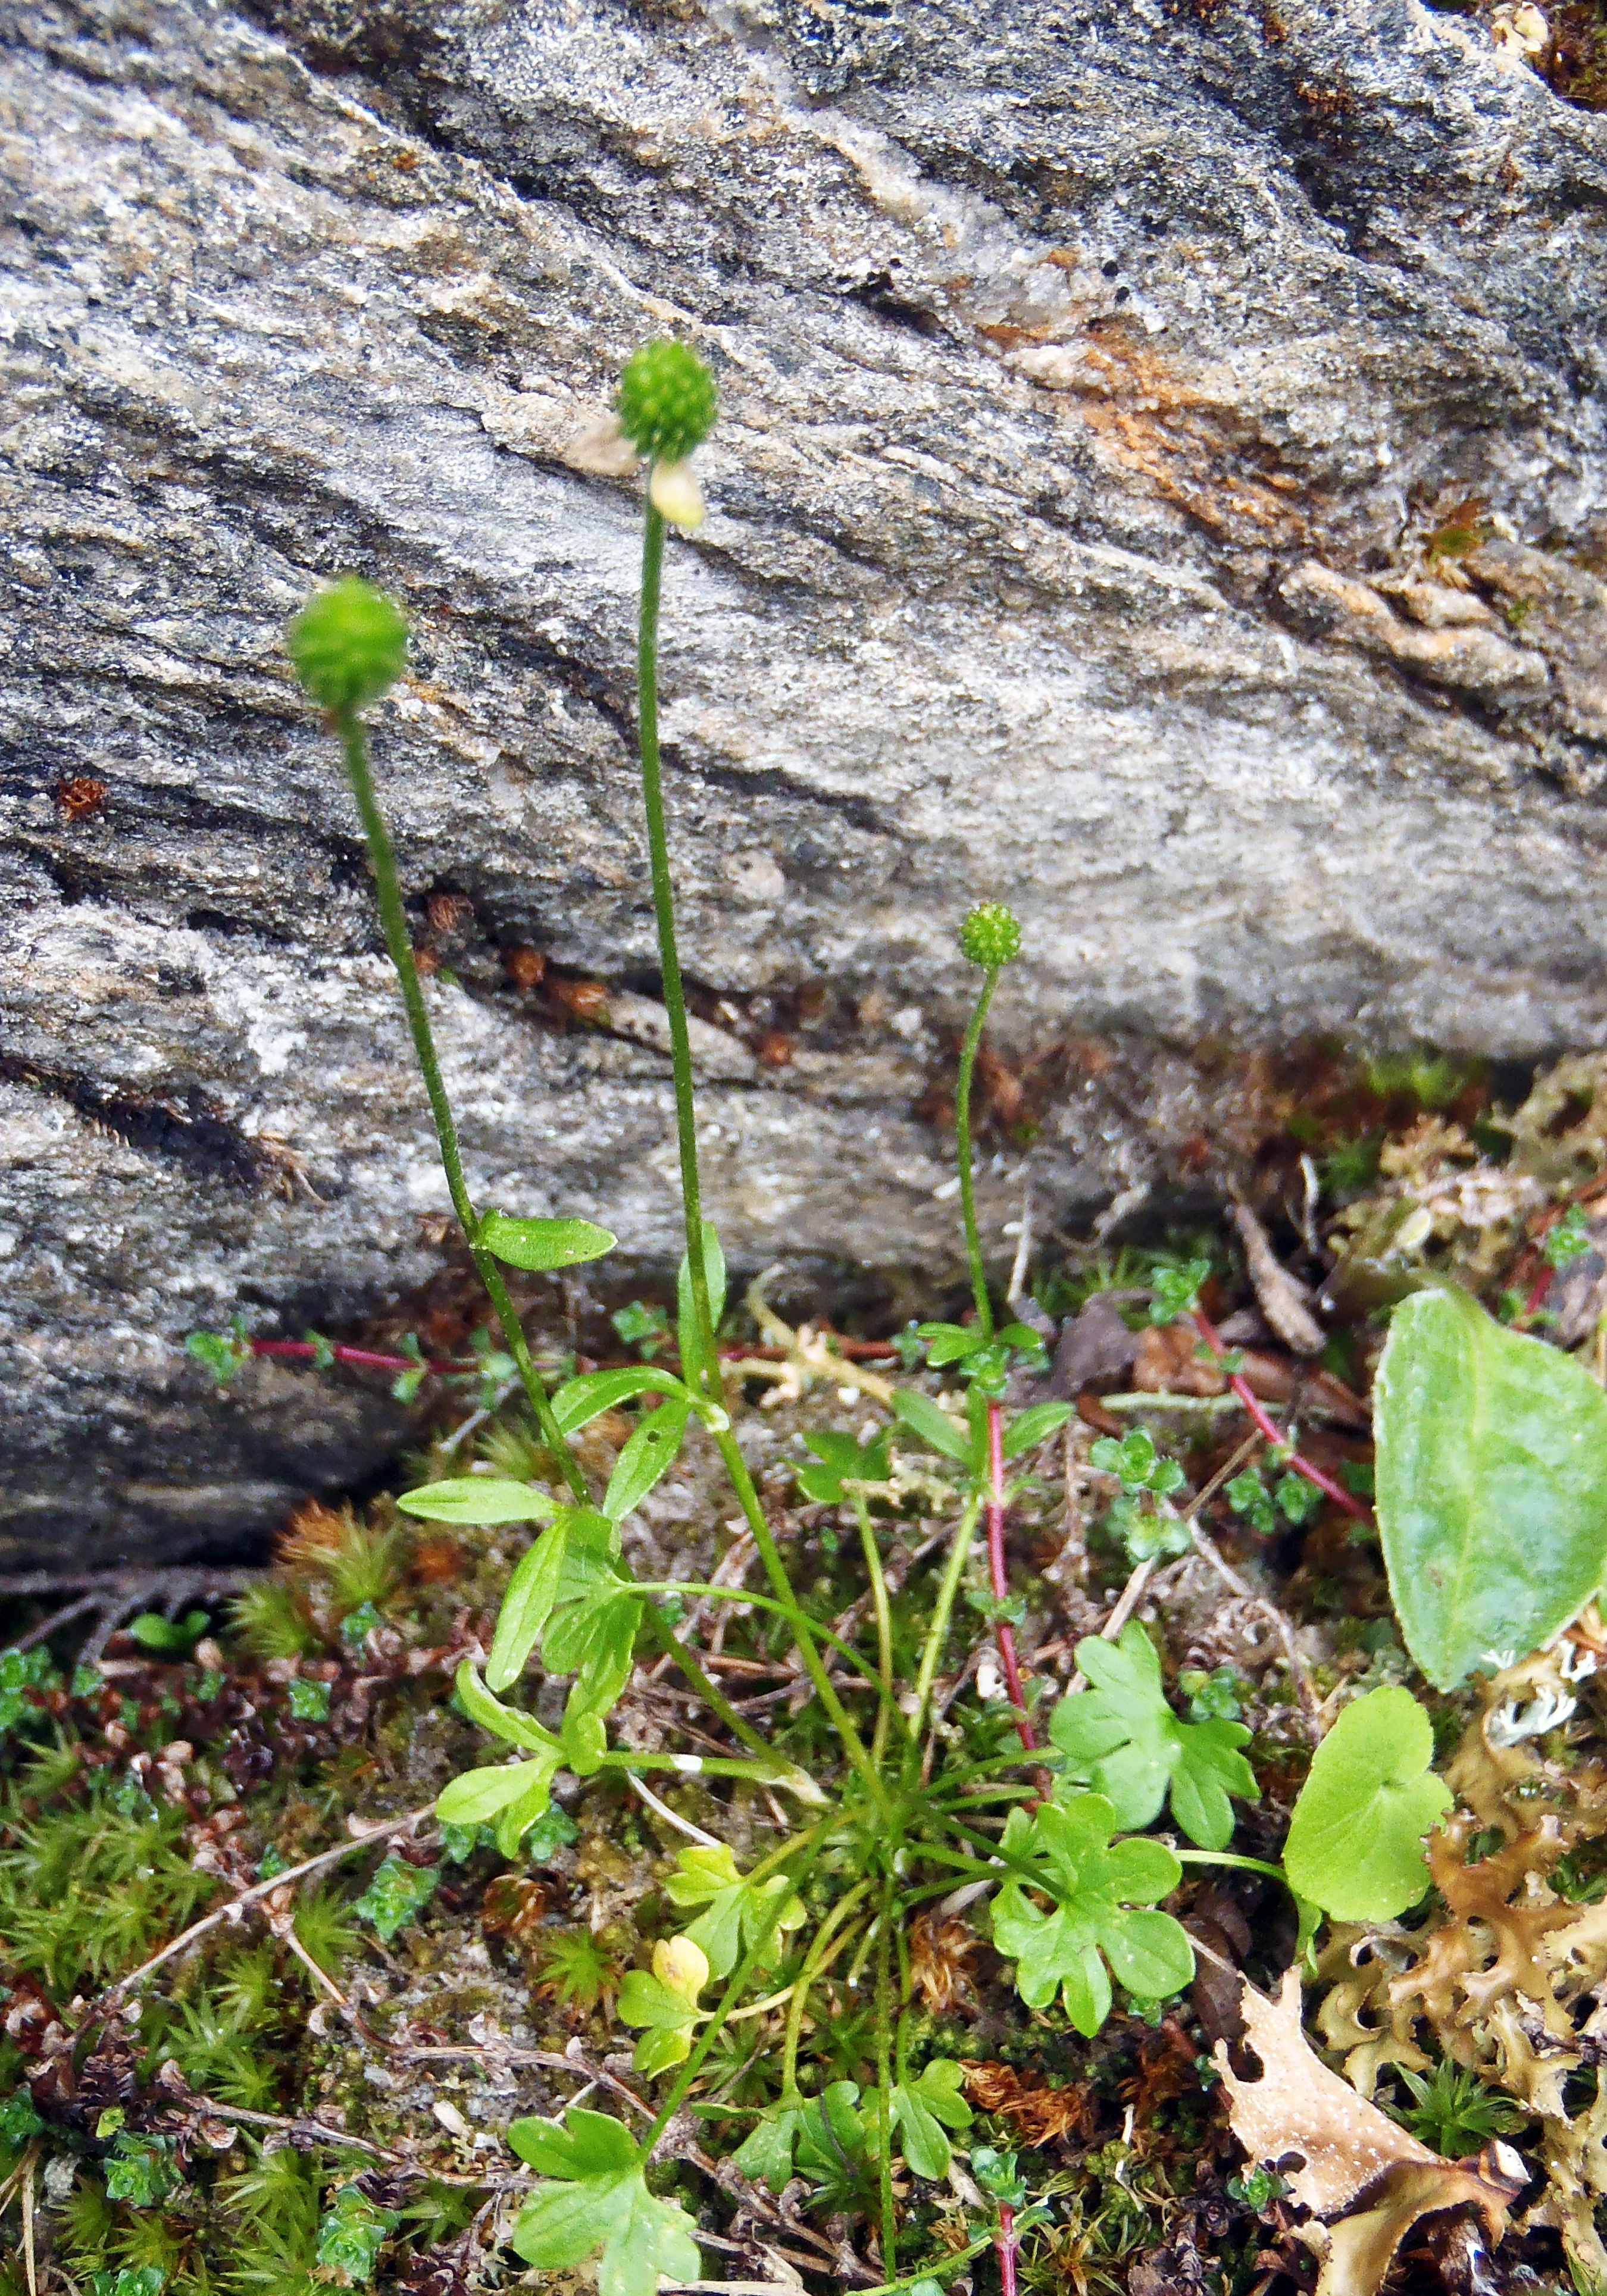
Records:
x=1037, y=2114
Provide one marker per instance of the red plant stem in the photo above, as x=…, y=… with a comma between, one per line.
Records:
x=302, y=1350
x=1542, y=1285
x=1269, y=1427
x=1005, y=2247
x=1001, y=1583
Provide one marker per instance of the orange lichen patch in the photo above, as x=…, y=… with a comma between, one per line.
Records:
x=525, y=967
x=582, y=1000
x=1466, y=1968
x=1037, y=2115
x=1186, y=436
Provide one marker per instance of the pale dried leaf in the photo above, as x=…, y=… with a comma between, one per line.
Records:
x=1299, y=2107
x=1349, y=2152
x=1281, y=1297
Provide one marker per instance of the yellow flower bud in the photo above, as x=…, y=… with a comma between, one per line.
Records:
x=681, y=1965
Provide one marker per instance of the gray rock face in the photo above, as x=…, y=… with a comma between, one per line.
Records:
x=1161, y=481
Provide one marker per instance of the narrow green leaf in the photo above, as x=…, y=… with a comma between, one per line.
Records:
x=1354, y=1843
x=502, y=1721
x=714, y=1270
x=580, y=1400
x=1032, y=1426
x=947, y=1343
x=540, y=1244
x=479, y=1498
x=1492, y=1484
x=922, y=1417
x=477, y=1797
x=526, y=1607
x=650, y=1454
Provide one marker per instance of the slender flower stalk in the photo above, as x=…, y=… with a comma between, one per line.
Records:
x=998, y=1575
x=968, y=1203
x=704, y=1377
x=349, y=645
x=990, y=937
x=667, y=406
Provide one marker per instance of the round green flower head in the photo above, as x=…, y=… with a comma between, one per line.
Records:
x=991, y=935
x=667, y=401
x=349, y=643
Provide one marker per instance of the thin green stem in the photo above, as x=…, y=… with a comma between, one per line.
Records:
x=394, y=920
x=814, y=1961
x=936, y=1634
x=884, y=2078
x=790, y=1849
x=709, y=1765
x=884, y=1626
x=759, y=1603
x=939, y=2270
x=706, y=1379
x=968, y=1060
x=715, y=1699
x=902, y=2036
x=1231, y=1857
x=803, y=1627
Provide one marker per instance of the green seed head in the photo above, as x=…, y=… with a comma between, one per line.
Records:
x=991, y=935
x=667, y=401
x=348, y=645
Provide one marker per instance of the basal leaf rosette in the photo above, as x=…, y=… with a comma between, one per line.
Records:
x=1096, y=1924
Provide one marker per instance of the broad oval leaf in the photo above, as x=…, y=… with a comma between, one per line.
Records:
x=540, y=1244
x=526, y=1607
x=1492, y=1484
x=1354, y=1843
x=479, y=1498
x=922, y=1417
x=650, y=1454
x=578, y=1401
